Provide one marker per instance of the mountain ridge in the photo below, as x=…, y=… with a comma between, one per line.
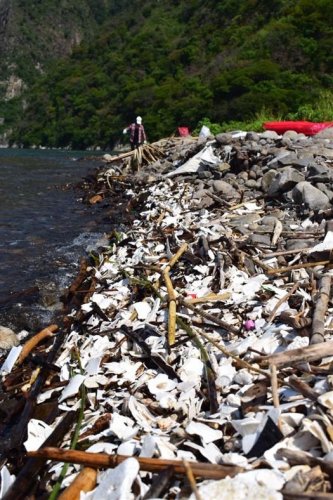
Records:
x=176, y=63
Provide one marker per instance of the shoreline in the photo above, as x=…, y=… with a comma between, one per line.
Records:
x=184, y=337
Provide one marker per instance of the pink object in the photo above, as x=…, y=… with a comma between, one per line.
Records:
x=249, y=324
x=183, y=131
x=192, y=295
x=304, y=127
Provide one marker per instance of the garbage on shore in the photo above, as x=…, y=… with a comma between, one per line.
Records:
x=195, y=355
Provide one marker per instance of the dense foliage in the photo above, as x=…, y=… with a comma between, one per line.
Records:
x=176, y=62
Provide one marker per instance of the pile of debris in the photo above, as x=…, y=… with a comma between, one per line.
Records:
x=195, y=358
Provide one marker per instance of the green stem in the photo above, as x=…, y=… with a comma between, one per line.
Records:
x=57, y=487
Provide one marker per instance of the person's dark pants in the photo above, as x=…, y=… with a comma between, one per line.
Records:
x=135, y=146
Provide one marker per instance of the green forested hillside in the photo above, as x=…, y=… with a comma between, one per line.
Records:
x=177, y=61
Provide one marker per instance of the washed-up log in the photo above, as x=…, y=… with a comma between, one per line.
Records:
x=102, y=460
x=300, y=355
x=85, y=481
x=34, y=341
x=29, y=472
x=318, y=320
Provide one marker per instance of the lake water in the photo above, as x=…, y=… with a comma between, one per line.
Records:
x=44, y=229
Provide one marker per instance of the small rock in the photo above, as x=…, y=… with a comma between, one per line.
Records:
x=270, y=134
x=8, y=338
x=290, y=134
x=327, y=133
x=225, y=189
x=224, y=138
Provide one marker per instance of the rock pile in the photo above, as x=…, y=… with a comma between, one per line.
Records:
x=196, y=355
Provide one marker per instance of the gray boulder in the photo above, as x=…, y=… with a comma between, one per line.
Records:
x=267, y=179
x=305, y=193
x=285, y=180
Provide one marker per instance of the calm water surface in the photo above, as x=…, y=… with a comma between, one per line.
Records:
x=44, y=230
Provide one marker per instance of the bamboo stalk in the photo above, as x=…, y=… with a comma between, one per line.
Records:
x=172, y=295
x=85, y=481
x=35, y=340
x=102, y=460
x=172, y=322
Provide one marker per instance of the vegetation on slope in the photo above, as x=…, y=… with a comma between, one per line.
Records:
x=177, y=61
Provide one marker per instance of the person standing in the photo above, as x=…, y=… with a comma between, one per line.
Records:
x=137, y=133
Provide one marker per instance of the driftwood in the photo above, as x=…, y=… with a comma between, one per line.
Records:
x=102, y=460
x=85, y=481
x=300, y=355
x=35, y=340
x=318, y=320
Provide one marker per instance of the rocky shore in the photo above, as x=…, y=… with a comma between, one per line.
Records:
x=194, y=359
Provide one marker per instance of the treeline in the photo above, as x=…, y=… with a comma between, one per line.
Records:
x=177, y=61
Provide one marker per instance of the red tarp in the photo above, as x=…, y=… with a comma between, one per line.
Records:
x=307, y=128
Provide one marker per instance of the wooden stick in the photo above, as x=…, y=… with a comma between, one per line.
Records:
x=300, y=355
x=191, y=480
x=318, y=320
x=102, y=460
x=282, y=253
x=85, y=481
x=274, y=386
x=240, y=362
x=302, y=387
x=211, y=297
x=35, y=340
x=281, y=301
x=210, y=317
x=298, y=266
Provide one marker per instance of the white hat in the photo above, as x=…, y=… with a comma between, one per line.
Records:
x=139, y=120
